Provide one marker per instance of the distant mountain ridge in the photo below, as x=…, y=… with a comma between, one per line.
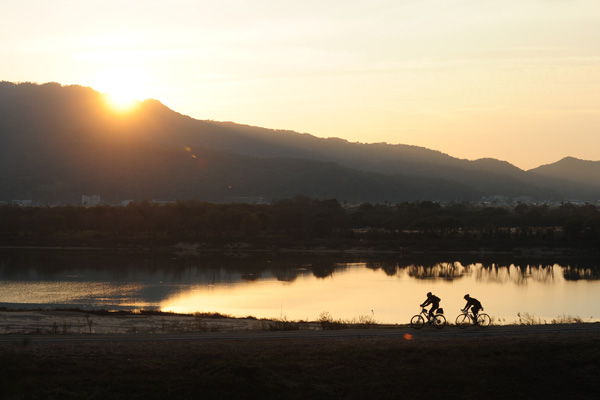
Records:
x=572, y=169
x=59, y=142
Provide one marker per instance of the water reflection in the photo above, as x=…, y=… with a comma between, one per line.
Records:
x=448, y=271
x=574, y=273
x=298, y=287
x=214, y=268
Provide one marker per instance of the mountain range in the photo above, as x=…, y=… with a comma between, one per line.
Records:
x=58, y=143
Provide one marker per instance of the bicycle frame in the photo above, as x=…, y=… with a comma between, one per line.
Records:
x=419, y=320
x=425, y=313
x=466, y=318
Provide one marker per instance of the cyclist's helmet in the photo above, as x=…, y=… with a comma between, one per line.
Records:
x=467, y=297
x=428, y=294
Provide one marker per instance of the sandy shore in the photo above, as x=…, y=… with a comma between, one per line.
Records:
x=75, y=322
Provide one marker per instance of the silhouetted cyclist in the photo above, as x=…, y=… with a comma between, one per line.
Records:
x=474, y=304
x=435, y=304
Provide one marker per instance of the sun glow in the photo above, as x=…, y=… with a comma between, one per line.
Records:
x=123, y=89
x=122, y=102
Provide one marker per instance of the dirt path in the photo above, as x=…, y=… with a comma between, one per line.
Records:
x=75, y=326
x=500, y=362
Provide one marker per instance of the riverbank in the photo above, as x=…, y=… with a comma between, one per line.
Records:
x=144, y=322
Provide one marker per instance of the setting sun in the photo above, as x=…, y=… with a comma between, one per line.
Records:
x=123, y=89
x=122, y=102
x=467, y=78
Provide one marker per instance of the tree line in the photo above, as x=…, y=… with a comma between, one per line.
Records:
x=302, y=221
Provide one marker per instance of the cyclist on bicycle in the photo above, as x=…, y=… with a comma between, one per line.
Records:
x=435, y=304
x=474, y=304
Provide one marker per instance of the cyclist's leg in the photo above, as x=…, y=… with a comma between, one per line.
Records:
x=432, y=311
x=431, y=314
x=471, y=314
x=475, y=312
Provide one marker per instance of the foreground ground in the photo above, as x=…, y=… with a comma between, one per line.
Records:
x=501, y=363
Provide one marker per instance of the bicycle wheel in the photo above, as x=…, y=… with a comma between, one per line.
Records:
x=417, y=322
x=484, y=320
x=463, y=320
x=439, y=321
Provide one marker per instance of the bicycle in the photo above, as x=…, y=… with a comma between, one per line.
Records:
x=438, y=321
x=467, y=318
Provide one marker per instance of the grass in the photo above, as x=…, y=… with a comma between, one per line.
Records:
x=192, y=323
x=531, y=319
x=281, y=324
x=207, y=322
x=567, y=319
x=327, y=322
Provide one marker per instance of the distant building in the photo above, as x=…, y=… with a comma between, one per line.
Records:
x=23, y=203
x=90, y=200
x=523, y=199
x=163, y=201
x=250, y=200
x=498, y=201
x=19, y=203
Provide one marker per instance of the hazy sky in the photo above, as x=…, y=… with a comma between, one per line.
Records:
x=517, y=80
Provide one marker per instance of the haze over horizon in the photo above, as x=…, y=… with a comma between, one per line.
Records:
x=513, y=80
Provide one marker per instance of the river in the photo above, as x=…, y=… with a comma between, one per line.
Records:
x=385, y=289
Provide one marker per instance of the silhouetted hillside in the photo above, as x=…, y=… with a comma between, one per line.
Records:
x=59, y=142
x=572, y=169
x=576, y=179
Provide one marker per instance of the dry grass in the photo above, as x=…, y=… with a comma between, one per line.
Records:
x=531, y=319
x=327, y=322
x=89, y=322
x=567, y=319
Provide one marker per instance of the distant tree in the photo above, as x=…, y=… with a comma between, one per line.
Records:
x=250, y=224
x=521, y=208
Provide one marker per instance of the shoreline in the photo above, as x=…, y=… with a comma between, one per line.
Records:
x=71, y=321
x=189, y=249
x=78, y=322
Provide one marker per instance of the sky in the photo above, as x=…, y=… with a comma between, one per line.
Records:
x=516, y=80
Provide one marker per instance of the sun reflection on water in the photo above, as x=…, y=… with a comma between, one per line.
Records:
x=359, y=291
x=302, y=290
x=64, y=293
